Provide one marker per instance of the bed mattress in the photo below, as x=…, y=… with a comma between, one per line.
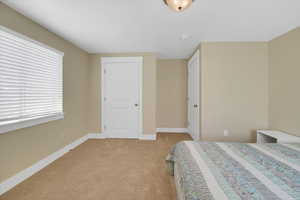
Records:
x=235, y=171
x=178, y=182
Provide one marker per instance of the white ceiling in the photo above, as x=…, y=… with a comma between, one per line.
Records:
x=114, y=26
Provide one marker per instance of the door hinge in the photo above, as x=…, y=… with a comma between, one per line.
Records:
x=104, y=98
x=104, y=127
x=104, y=71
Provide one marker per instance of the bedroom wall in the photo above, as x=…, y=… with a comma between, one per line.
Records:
x=171, y=93
x=284, y=81
x=149, y=91
x=20, y=149
x=234, y=90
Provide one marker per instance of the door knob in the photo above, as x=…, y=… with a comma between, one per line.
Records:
x=136, y=105
x=195, y=106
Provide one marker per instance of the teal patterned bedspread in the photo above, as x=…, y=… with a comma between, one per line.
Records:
x=237, y=171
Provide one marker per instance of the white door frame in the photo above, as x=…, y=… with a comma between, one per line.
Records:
x=196, y=57
x=105, y=60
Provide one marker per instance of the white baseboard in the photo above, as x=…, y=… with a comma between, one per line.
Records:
x=172, y=130
x=28, y=172
x=103, y=136
x=147, y=137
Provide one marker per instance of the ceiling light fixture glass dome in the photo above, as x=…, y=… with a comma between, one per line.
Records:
x=178, y=5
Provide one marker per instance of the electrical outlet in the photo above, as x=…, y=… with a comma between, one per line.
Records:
x=226, y=132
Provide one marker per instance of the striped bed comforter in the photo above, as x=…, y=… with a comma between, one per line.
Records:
x=236, y=171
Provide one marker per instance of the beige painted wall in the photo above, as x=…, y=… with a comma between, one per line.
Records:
x=234, y=90
x=171, y=93
x=20, y=149
x=149, y=91
x=284, y=77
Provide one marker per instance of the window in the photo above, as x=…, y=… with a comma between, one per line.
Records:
x=31, y=90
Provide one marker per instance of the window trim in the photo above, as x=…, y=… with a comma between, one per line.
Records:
x=13, y=125
x=2, y=28
x=29, y=122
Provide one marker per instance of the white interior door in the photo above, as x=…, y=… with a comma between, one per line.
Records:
x=121, y=96
x=193, y=96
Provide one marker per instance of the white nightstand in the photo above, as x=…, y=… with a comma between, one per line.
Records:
x=269, y=136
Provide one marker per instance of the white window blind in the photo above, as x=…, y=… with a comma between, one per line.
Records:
x=30, y=81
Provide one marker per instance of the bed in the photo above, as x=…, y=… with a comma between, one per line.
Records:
x=235, y=171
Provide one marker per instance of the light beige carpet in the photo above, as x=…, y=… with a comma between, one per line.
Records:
x=110, y=169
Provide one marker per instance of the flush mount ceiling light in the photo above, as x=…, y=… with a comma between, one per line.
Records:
x=178, y=5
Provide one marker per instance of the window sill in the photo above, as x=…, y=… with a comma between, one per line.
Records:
x=15, y=125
